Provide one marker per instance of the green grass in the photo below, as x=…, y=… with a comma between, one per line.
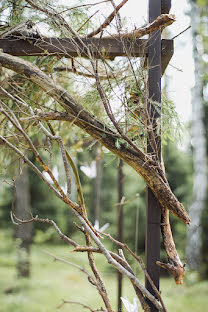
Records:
x=51, y=281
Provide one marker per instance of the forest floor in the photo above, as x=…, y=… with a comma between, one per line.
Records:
x=50, y=282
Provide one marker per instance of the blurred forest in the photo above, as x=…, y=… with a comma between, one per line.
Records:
x=98, y=170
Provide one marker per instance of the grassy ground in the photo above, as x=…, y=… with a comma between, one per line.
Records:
x=51, y=281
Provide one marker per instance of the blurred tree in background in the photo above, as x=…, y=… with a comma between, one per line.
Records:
x=197, y=243
x=203, y=47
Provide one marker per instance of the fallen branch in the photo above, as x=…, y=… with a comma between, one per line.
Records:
x=138, y=160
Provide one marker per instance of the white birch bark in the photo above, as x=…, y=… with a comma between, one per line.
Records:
x=199, y=150
x=23, y=232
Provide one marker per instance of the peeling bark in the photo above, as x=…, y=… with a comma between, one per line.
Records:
x=174, y=265
x=148, y=169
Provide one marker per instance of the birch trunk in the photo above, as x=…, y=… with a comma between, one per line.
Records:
x=23, y=232
x=199, y=151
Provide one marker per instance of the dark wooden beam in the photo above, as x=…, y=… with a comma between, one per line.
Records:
x=153, y=212
x=167, y=51
x=108, y=47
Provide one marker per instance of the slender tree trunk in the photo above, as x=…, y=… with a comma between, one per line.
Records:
x=199, y=150
x=98, y=180
x=97, y=187
x=23, y=232
x=120, y=226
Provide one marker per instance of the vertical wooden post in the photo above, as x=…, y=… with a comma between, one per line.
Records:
x=120, y=226
x=153, y=213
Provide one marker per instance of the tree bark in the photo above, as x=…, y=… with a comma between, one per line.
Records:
x=199, y=150
x=23, y=232
x=120, y=225
x=97, y=186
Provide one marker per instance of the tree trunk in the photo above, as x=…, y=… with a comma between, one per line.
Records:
x=199, y=151
x=120, y=226
x=23, y=232
x=97, y=186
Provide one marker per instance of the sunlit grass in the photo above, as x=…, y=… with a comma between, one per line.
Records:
x=50, y=282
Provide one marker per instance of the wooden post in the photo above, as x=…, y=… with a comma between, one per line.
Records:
x=153, y=214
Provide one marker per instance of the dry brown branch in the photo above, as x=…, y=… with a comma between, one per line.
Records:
x=108, y=20
x=79, y=214
x=55, y=15
x=125, y=246
x=99, y=281
x=161, y=21
x=97, y=250
x=81, y=73
x=136, y=159
x=119, y=26
x=63, y=153
x=124, y=263
x=58, y=191
x=81, y=304
x=139, y=294
x=68, y=240
x=180, y=33
x=117, y=266
x=81, y=269
x=174, y=265
x=87, y=20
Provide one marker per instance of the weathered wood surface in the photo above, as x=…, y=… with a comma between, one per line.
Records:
x=153, y=209
x=108, y=47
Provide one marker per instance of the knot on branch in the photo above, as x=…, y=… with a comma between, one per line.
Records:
x=176, y=270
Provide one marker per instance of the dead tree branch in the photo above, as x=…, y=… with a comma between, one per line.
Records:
x=136, y=159
x=161, y=21
x=108, y=20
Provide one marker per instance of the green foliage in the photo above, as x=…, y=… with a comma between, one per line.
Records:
x=202, y=3
x=171, y=126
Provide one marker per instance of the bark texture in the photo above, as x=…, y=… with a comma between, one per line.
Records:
x=199, y=151
x=174, y=265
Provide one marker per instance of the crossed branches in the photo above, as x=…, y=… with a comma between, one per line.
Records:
x=113, y=134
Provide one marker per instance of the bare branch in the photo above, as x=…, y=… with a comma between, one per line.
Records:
x=108, y=20
x=161, y=21
x=81, y=73
x=180, y=33
x=68, y=240
x=136, y=159
x=125, y=246
x=117, y=266
x=81, y=304
x=83, y=270
x=174, y=265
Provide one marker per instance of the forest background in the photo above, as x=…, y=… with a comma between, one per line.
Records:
x=98, y=171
